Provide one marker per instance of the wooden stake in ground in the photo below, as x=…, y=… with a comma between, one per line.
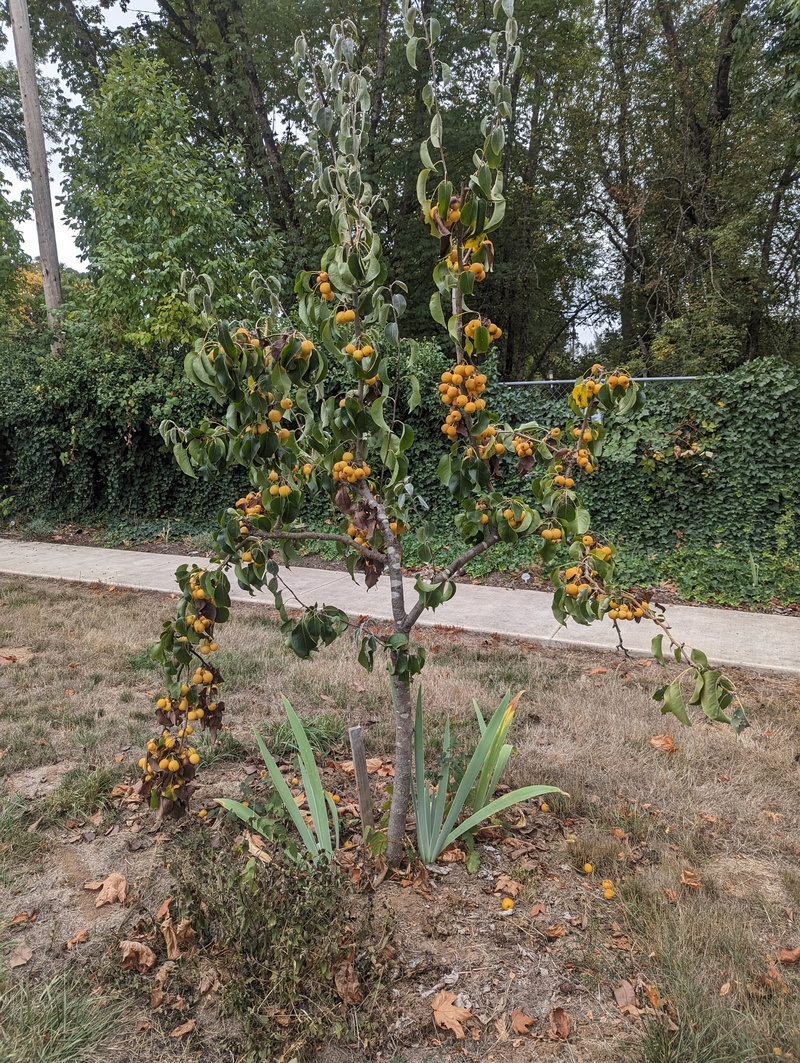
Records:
x=362, y=779
x=37, y=157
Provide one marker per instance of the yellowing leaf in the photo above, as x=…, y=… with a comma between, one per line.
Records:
x=447, y=1015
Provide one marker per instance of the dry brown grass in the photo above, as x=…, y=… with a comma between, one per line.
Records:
x=723, y=806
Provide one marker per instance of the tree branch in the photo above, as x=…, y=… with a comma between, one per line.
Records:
x=452, y=569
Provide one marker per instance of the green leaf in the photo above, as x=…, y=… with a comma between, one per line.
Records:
x=182, y=457
x=657, y=650
x=438, y=314
x=481, y=339
x=699, y=658
x=673, y=702
x=411, y=51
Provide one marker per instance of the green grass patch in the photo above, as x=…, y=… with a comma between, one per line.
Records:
x=82, y=792
x=57, y=1021
x=324, y=732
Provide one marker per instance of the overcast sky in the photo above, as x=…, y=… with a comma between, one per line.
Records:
x=67, y=252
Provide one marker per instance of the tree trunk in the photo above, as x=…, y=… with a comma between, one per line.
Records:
x=260, y=113
x=37, y=159
x=787, y=178
x=401, y=794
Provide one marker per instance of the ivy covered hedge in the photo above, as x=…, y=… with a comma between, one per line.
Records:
x=703, y=481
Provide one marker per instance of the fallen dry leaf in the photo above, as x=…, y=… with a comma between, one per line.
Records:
x=671, y=895
x=520, y=1022
x=452, y=855
x=21, y=955
x=69, y=693
x=506, y=884
x=664, y=743
x=208, y=983
x=557, y=930
x=176, y=936
x=23, y=917
x=142, y=1026
x=538, y=909
x=79, y=938
x=597, y=671
x=773, y=979
x=346, y=982
x=137, y=956
x=182, y=1031
x=690, y=879
x=447, y=1015
x=113, y=888
x=559, y=1025
x=653, y=996
x=724, y=989
x=617, y=832
x=625, y=995
x=789, y=955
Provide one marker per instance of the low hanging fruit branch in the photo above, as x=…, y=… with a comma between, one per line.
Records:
x=301, y=432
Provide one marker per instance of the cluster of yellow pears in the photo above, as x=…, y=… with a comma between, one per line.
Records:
x=349, y=470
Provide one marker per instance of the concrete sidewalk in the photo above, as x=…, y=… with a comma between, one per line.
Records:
x=728, y=637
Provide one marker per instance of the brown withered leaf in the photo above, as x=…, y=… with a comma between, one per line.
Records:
x=447, y=1015
x=724, y=989
x=625, y=994
x=559, y=1025
x=452, y=855
x=79, y=938
x=671, y=895
x=184, y=1029
x=346, y=982
x=690, y=879
x=617, y=832
x=538, y=909
x=506, y=884
x=773, y=979
x=137, y=956
x=789, y=955
x=113, y=889
x=557, y=930
x=664, y=743
x=653, y=996
x=597, y=671
x=21, y=955
x=520, y=1022
x=208, y=983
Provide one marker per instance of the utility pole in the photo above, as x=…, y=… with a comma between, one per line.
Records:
x=37, y=157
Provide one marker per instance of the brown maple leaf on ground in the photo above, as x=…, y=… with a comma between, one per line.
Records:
x=447, y=1015
x=520, y=1022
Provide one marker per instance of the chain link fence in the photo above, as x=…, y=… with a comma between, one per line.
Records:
x=544, y=400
